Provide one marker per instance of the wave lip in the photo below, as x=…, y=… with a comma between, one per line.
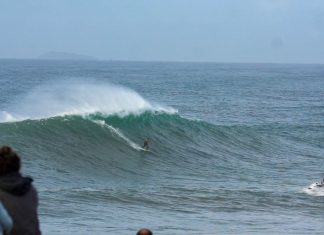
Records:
x=61, y=100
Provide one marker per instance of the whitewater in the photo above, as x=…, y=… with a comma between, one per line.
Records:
x=235, y=148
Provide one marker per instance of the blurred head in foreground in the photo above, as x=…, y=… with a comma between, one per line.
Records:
x=9, y=161
x=144, y=231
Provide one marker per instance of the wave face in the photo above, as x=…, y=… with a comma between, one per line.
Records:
x=113, y=142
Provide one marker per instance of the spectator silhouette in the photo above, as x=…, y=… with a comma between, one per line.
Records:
x=144, y=231
x=18, y=195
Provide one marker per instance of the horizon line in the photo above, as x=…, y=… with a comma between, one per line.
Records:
x=167, y=61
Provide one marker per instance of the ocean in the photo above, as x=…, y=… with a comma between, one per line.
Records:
x=234, y=148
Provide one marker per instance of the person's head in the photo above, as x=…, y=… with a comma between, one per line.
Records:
x=144, y=231
x=9, y=161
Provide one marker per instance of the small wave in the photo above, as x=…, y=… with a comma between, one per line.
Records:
x=315, y=189
x=71, y=189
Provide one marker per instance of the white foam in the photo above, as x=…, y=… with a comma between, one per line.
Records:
x=314, y=189
x=6, y=117
x=78, y=99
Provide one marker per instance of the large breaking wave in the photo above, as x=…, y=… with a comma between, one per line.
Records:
x=95, y=129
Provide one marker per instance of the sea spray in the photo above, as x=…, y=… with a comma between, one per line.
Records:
x=51, y=100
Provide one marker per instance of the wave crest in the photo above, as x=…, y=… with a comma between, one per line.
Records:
x=79, y=99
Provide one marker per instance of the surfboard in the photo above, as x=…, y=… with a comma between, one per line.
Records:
x=145, y=150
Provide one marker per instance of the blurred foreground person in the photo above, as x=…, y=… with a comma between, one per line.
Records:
x=144, y=231
x=18, y=195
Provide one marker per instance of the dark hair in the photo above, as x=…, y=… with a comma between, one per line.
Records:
x=144, y=231
x=9, y=161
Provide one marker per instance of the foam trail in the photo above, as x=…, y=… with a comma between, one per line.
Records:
x=118, y=133
x=79, y=99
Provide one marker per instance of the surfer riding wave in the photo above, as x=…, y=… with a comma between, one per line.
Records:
x=145, y=144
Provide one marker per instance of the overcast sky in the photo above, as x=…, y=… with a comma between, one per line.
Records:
x=289, y=31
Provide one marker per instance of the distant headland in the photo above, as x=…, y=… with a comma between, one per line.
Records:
x=56, y=55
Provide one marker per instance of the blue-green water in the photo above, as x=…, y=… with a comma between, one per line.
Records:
x=234, y=147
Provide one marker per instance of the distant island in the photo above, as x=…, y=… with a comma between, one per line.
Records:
x=56, y=55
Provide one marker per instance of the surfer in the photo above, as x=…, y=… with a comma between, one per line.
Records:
x=145, y=145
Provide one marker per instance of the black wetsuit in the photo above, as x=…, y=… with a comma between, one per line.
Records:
x=145, y=145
